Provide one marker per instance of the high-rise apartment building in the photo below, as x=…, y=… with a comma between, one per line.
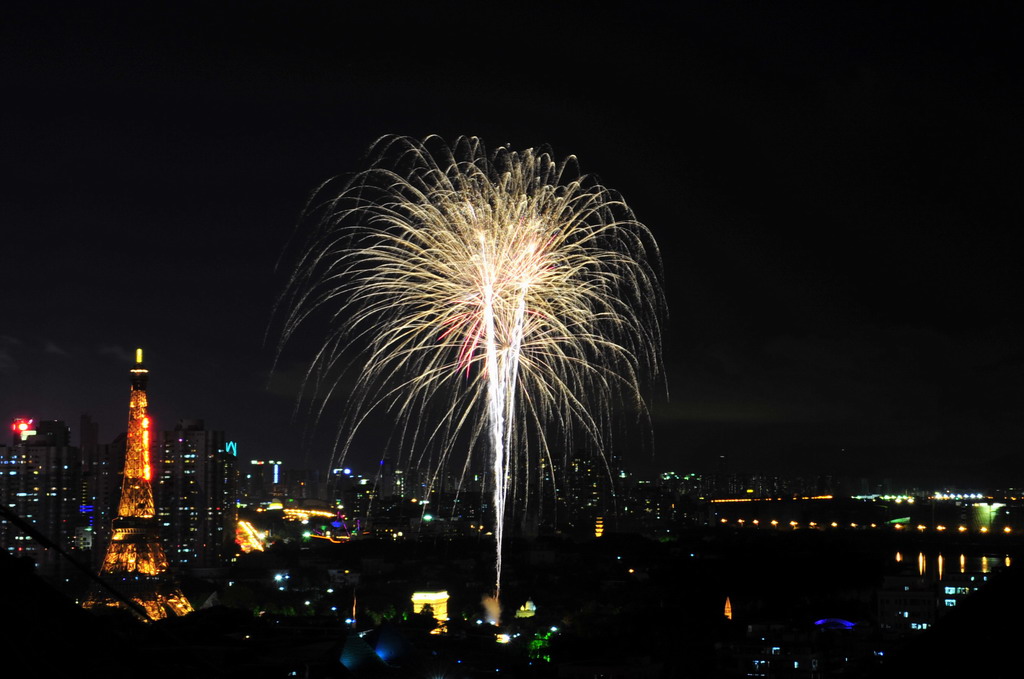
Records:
x=197, y=497
x=586, y=489
x=258, y=480
x=40, y=481
x=101, y=486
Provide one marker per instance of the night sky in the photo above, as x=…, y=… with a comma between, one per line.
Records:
x=836, y=192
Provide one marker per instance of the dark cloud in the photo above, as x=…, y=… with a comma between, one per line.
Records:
x=8, y=364
x=50, y=347
x=116, y=351
x=896, y=395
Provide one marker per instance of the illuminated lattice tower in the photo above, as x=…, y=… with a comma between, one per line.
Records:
x=135, y=563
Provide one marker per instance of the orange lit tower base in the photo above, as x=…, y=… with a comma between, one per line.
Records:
x=135, y=563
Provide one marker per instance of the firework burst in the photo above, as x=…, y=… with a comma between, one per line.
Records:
x=501, y=300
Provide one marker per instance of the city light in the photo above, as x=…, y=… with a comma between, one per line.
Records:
x=957, y=496
x=248, y=538
x=23, y=428
x=291, y=514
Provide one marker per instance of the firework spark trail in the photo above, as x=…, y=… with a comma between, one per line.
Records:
x=503, y=293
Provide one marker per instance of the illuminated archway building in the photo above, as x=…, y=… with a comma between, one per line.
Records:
x=135, y=563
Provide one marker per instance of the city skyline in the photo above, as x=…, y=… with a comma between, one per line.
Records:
x=305, y=546
x=833, y=191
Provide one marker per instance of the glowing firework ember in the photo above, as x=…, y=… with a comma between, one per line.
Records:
x=498, y=297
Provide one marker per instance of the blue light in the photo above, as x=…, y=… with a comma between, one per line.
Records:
x=834, y=623
x=387, y=647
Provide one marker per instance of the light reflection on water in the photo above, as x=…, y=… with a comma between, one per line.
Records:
x=968, y=564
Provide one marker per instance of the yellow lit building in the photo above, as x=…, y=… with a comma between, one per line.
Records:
x=438, y=602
